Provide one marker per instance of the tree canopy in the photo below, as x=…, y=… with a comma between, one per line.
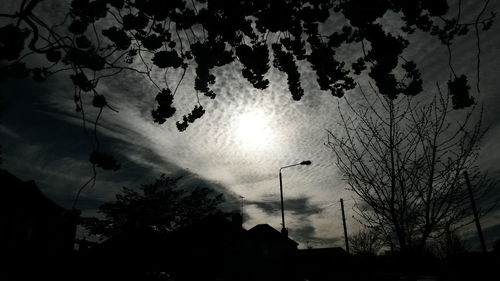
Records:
x=97, y=39
x=160, y=206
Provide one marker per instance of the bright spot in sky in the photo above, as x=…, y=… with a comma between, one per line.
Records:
x=253, y=130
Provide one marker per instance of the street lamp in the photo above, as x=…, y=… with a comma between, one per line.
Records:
x=283, y=230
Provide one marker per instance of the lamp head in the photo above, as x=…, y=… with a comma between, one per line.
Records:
x=305, y=162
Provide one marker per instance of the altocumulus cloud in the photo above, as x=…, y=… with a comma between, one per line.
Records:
x=43, y=138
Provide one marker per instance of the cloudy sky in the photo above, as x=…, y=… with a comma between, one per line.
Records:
x=238, y=146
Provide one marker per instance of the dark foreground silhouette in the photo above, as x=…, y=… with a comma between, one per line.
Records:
x=37, y=243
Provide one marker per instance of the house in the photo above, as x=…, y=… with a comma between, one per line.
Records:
x=221, y=249
x=213, y=248
x=31, y=223
x=270, y=242
x=36, y=234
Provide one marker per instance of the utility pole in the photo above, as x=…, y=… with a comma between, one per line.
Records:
x=345, y=227
x=284, y=231
x=474, y=210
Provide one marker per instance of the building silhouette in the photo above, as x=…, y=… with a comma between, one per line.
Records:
x=35, y=232
x=30, y=222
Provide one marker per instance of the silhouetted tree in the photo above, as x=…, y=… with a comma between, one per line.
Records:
x=160, y=207
x=404, y=159
x=448, y=245
x=366, y=242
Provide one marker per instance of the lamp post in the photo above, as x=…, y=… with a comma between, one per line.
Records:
x=284, y=231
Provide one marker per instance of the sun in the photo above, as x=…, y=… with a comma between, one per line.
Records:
x=253, y=130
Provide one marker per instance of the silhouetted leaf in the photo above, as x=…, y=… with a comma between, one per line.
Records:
x=84, y=58
x=285, y=62
x=135, y=22
x=152, y=41
x=164, y=110
x=83, y=42
x=53, y=55
x=459, y=91
x=99, y=101
x=117, y=36
x=12, y=41
x=181, y=126
x=116, y=3
x=104, y=161
x=164, y=59
x=196, y=113
x=78, y=27
x=358, y=66
x=414, y=87
x=90, y=11
x=435, y=7
x=80, y=80
x=256, y=64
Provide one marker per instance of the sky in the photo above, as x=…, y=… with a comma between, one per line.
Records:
x=237, y=148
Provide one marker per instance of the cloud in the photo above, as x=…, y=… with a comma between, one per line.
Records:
x=44, y=140
x=42, y=136
x=297, y=206
x=302, y=219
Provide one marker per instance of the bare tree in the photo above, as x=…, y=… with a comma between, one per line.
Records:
x=404, y=157
x=366, y=242
x=448, y=245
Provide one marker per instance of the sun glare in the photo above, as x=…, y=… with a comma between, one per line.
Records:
x=253, y=130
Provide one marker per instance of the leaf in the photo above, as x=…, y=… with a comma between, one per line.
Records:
x=80, y=80
x=83, y=42
x=196, y=113
x=118, y=4
x=53, y=55
x=104, y=161
x=164, y=110
x=359, y=65
x=99, y=101
x=256, y=64
x=118, y=36
x=435, y=7
x=152, y=42
x=285, y=62
x=460, y=92
x=12, y=41
x=78, y=26
x=137, y=22
x=90, y=11
x=84, y=58
x=181, y=126
x=164, y=59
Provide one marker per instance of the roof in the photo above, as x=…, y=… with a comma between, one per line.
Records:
x=17, y=193
x=265, y=232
